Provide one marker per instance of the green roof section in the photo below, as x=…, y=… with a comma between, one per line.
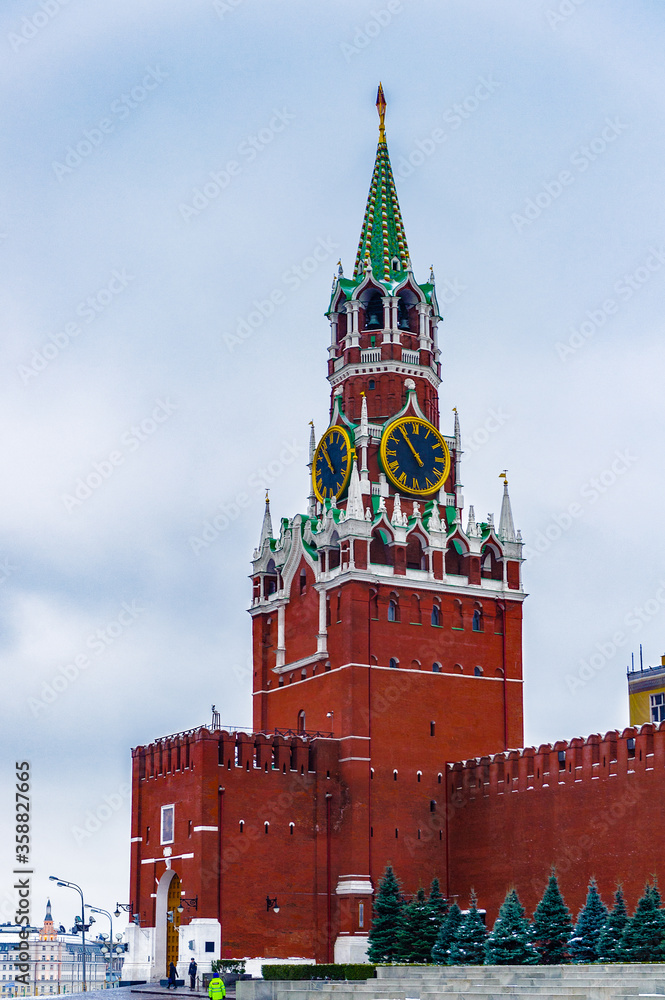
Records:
x=382, y=236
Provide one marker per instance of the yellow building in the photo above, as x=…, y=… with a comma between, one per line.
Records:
x=646, y=694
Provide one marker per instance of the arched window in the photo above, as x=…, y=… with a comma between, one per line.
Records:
x=301, y=721
x=498, y=620
x=266, y=826
x=396, y=264
x=419, y=775
x=455, y=561
x=392, y=663
x=477, y=620
x=380, y=549
x=303, y=673
x=436, y=667
x=432, y=806
x=415, y=556
x=478, y=671
x=242, y=825
x=374, y=605
x=371, y=384
x=303, y=581
x=415, y=609
x=374, y=313
x=339, y=605
x=402, y=315
x=395, y=775
x=393, y=609
x=436, y=615
x=458, y=618
x=291, y=828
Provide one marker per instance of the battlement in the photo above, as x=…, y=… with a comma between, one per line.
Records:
x=635, y=750
x=283, y=751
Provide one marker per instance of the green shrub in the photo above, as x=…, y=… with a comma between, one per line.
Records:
x=309, y=972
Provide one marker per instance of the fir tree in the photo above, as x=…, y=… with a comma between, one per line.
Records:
x=509, y=941
x=552, y=925
x=437, y=903
x=415, y=938
x=591, y=920
x=642, y=939
x=609, y=944
x=468, y=945
x=447, y=933
x=386, y=922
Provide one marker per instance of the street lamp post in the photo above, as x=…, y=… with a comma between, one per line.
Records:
x=73, y=885
x=97, y=909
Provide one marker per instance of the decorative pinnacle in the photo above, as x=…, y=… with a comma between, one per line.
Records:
x=504, y=475
x=267, y=496
x=381, y=108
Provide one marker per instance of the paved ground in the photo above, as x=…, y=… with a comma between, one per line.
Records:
x=148, y=990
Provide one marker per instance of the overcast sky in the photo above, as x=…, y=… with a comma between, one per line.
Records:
x=168, y=165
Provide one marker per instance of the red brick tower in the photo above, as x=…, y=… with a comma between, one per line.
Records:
x=376, y=616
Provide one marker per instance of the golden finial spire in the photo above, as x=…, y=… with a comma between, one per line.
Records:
x=381, y=108
x=267, y=496
x=504, y=475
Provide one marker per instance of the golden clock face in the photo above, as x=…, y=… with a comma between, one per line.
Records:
x=332, y=464
x=415, y=456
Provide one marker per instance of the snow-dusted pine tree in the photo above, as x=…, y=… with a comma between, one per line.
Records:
x=468, y=945
x=437, y=903
x=644, y=934
x=447, y=933
x=509, y=940
x=552, y=925
x=388, y=905
x=591, y=920
x=609, y=944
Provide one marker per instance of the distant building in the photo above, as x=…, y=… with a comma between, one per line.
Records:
x=56, y=961
x=646, y=694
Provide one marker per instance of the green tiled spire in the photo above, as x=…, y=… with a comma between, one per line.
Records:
x=382, y=234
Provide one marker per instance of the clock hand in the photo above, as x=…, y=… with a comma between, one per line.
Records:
x=408, y=441
x=327, y=458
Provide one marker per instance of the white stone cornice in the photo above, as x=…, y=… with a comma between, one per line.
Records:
x=357, y=368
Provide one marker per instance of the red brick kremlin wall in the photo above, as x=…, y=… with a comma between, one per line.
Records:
x=592, y=807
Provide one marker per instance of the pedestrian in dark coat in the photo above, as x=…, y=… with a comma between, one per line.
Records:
x=191, y=972
x=173, y=975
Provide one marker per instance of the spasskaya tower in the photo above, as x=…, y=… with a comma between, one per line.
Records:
x=379, y=617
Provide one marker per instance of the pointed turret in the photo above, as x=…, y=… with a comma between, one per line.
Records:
x=506, y=525
x=354, y=502
x=266, y=527
x=49, y=915
x=471, y=523
x=382, y=237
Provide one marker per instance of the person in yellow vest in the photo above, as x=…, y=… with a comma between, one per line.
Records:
x=216, y=989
